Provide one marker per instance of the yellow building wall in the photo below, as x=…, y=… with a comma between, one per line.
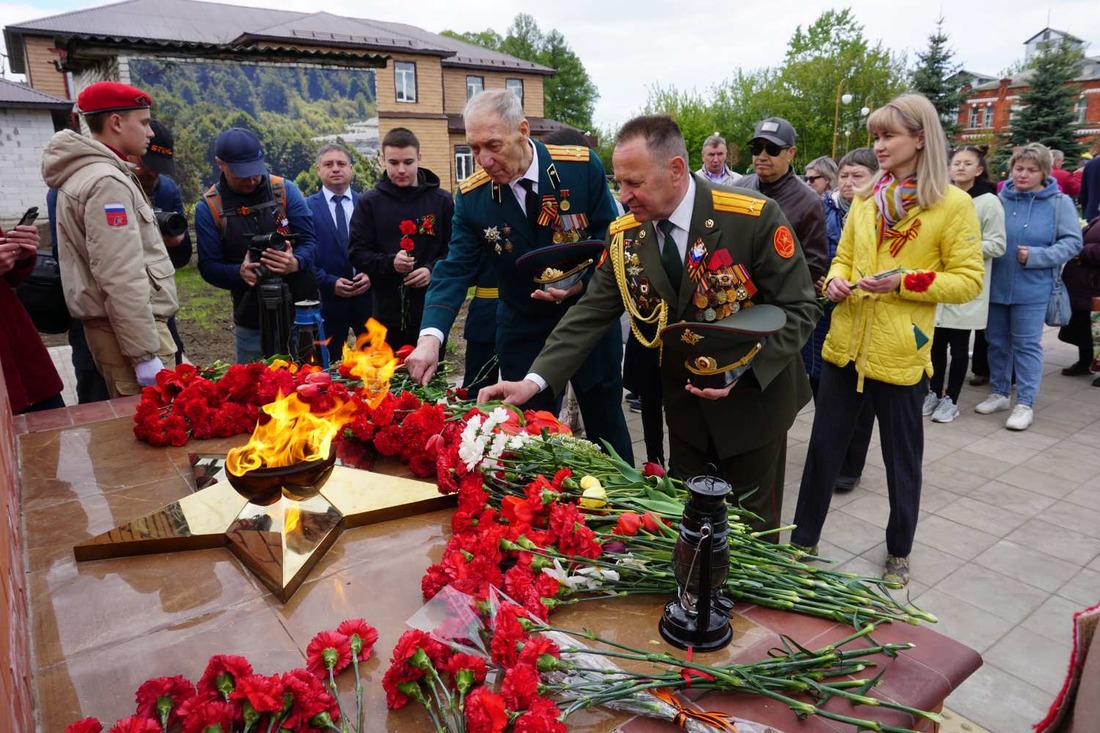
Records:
x=41, y=72
x=435, y=149
x=429, y=86
x=454, y=89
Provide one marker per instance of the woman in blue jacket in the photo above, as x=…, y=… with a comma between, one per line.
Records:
x=1042, y=233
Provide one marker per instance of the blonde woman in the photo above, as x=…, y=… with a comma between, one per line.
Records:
x=911, y=241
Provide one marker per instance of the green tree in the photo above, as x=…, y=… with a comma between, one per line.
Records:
x=570, y=94
x=931, y=78
x=692, y=113
x=1047, y=113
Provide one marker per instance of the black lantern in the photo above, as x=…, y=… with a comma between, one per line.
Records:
x=699, y=616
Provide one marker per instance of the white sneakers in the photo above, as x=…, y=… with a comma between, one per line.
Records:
x=993, y=403
x=931, y=402
x=1020, y=419
x=946, y=410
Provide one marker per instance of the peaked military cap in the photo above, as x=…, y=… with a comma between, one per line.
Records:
x=560, y=265
x=718, y=354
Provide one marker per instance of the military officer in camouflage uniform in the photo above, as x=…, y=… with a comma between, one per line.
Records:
x=527, y=195
x=690, y=250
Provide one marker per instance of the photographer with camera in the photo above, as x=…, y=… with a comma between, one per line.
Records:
x=255, y=239
x=118, y=279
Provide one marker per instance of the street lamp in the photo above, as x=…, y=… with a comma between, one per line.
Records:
x=863, y=112
x=846, y=98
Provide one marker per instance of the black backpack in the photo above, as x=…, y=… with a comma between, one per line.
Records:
x=43, y=297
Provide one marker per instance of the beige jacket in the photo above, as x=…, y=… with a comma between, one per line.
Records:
x=114, y=266
x=972, y=316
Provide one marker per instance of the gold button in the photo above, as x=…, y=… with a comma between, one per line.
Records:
x=709, y=223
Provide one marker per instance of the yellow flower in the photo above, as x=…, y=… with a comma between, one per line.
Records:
x=593, y=495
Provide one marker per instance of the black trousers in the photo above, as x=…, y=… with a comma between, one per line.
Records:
x=979, y=360
x=901, y=431
x=958, y=340
x=756, y=476
x=1079, y=333
x=479, y=354
x=653, y=428
x=855, y=457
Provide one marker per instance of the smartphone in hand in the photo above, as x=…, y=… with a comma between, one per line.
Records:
x=29, y=216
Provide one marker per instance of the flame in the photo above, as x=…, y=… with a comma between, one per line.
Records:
x=293, y=517
x=292, y=435
x=372, y=361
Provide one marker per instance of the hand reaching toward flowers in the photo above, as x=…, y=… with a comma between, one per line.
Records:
x=512, y=393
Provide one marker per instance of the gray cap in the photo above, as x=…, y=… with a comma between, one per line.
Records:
x=776, y=130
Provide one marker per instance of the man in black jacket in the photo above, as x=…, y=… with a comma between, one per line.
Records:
x=399, y=230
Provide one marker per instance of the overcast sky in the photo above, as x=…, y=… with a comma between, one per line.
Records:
x=628, y=47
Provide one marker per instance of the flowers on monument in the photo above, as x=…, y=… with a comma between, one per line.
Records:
x=231, y=698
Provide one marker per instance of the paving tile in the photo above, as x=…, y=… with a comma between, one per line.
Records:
x=933, y=498
x=1073, y=517
x=1083, y=588
x=1038, y=481
x=1054, y=540
x=852, y=533
x=934, y=450
x=1086, y=495
x=1053, y=619
x=952, y=537
x=1028, y=565
x=999, y=595
x=999, y=701
x=981, y=515
x=952, y=478
x=994, y=447
x=1031, y=657
x=961, y=621
x=1069, y=469
x=968, y=460
x=1012, y=498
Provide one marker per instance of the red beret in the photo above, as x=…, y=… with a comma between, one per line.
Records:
x=111, y=96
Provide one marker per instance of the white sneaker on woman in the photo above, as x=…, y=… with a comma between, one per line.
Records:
x=946, y=411
x=993, y=403
x=931, y=402
x=1020, y=419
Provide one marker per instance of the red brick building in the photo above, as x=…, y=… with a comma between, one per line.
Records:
x=990, y=103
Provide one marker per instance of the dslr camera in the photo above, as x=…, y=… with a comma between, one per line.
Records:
x=272, y=240
x=171, y=223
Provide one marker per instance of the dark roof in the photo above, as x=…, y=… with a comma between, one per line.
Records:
x=13, y=95
x=1087, y=68
x=1067, y=36
x=196, y=24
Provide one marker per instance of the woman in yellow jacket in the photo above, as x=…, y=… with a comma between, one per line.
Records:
x=911, y=241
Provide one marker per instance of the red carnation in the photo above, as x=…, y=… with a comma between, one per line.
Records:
x=361, y=635
x=264, y=694
x=485, y=712
x=542, y=716
x=87, y=725
x=221, y=674
x=208, y=715
x=475, y=666
x=520, y=687
x=536, y=648
x=918, y=282
x=309, y=698
x=406, y=244
x=136, y=724
x=328, y=650
x=407, y=227
x=161, y=697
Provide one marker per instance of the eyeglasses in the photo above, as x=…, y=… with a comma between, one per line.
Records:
x=756, y=147
x=812, y=179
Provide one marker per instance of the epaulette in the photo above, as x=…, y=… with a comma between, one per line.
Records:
x=624, y=222
x=469, y=183
x=576, y=153
x=737, y=203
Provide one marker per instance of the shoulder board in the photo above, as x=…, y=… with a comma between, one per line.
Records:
x=737, y=203
x=624, y=222
x=469, y=183
x=568, y=152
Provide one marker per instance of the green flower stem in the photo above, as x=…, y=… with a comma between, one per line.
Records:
x=358, y=693
x=335, y=693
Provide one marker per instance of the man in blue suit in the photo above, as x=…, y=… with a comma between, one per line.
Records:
x=345, y=296
x=526, y=196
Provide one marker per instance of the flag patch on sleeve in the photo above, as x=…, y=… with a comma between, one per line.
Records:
x=116, y=215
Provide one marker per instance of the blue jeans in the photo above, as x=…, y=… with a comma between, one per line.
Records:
x=1015, y=335
x=248, y=344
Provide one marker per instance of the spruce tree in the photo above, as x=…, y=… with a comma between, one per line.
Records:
x=931, y=78
x=1048, y=113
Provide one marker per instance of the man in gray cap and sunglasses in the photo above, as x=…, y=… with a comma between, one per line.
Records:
x=773, y=149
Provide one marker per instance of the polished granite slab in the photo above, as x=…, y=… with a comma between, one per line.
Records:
x=101, y=628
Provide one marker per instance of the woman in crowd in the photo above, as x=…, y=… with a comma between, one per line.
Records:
x=954, y=322
x=855, y=171
x=1041, y=233
x=32, y=380
x=821, y=174
x=1082, y=278
x=911, y=240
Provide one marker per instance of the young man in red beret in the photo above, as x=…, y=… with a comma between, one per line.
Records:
x=119, y=281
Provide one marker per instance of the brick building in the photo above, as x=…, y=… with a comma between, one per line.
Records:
x=422, y=79
x=28, y=119
x=989, y=104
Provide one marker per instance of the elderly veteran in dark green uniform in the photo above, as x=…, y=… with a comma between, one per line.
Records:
x=691, y=250
x=526, y=196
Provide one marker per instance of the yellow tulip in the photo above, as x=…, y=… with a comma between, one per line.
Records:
x=593, y=495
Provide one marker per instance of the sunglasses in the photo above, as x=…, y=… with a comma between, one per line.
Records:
x=758, y=146
x=811, y=179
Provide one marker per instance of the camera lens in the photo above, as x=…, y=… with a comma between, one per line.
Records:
x=171, y=223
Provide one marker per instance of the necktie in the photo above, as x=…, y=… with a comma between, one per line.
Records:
x=670, y=254
x=530, y=202
x=341, y=218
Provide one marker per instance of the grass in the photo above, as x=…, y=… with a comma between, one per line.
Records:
x=201, y=304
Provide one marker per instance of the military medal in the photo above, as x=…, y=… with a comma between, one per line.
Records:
x=564, y=205
x=742, y=293
x=721, y=296
x=700, y=300
x=507, y=246
x=709, y=315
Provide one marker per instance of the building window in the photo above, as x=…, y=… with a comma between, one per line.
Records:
x=474, y=85
x=1013, y=111
x=464, y=162
x=404, y=76
x=988, y=121
x=515, y=86
x=973, y=122
x=1082, y=109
